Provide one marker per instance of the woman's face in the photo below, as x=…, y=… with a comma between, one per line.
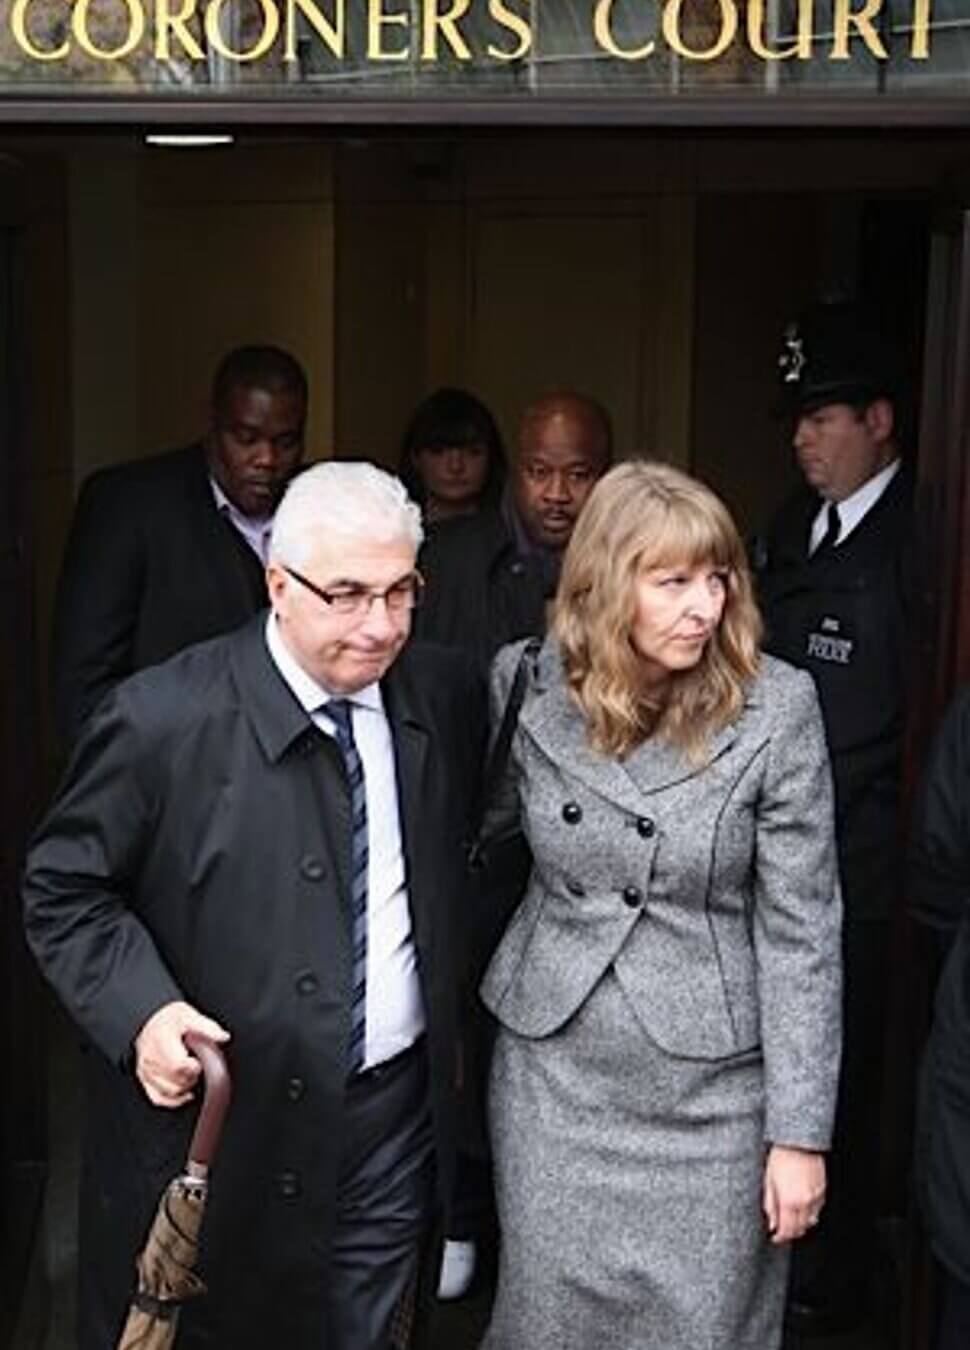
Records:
x=677, y=610
x=453, y=475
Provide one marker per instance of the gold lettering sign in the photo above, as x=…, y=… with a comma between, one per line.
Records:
x=432, y=31
x=728, y=31
x=176, y=25
x=80, y=29
x=603, y=30
x=23, y=39
x=447, y=23
x=920, y=46
x=377, y=21
x=331, y=31
x=846, y=18
x=213, y=31
x=801, y=48
x=507, y=18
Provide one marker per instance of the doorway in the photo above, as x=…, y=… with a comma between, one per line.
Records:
x=652, y=271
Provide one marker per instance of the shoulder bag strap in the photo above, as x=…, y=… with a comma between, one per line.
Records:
x=498, y=756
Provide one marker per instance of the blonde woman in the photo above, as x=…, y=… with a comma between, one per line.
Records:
x=668, y=991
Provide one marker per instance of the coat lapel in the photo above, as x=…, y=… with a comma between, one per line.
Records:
x=294, y=745
x=556, y=726
x=657, y=764
x=231, y=570
x=411, y=736
x=274, y=713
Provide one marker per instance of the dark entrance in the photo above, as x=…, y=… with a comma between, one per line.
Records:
x=22, y=1108
x=894, y=242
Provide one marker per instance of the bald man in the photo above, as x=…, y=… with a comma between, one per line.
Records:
x=490, y=577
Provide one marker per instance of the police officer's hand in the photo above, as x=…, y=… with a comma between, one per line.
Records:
x=163, y=1066
x=794, y=1191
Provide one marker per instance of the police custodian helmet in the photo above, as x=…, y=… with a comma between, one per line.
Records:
x=835, y=352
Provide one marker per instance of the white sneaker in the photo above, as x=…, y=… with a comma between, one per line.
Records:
x=457, y=1268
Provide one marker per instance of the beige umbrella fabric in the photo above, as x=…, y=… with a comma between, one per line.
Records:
x=166, y=1266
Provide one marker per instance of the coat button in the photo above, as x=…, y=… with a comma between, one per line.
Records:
x=288, y=1185
x=311, y=868
x=645, y=827
x=572, y=813
x=632, y=897
x=307, y=983
x=575, y=888
x=295, y=1088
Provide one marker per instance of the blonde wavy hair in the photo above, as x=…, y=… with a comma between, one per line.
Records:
x=641, y=515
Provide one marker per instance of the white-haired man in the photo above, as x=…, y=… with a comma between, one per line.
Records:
x=261, y=839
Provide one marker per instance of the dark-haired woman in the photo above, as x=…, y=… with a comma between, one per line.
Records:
x=452, y=460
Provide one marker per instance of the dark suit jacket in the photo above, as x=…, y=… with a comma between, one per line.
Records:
x=150, y=568
x=479, y=592
x=199, y=849
x=848, y=619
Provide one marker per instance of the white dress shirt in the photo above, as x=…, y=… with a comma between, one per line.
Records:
x=394, y=1008
x=256, y=530
x=854, y=509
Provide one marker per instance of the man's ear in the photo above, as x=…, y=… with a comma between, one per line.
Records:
x=880, y=419
x=276, y=581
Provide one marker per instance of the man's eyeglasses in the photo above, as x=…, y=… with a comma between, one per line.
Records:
x=401, y=595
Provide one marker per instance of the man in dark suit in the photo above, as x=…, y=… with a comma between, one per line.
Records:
x=832, y=571
x=490, y=579
x=491, y=576
x=170, y=550
x=261, y=839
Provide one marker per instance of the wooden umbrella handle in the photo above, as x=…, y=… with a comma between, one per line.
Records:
x=215, y=1103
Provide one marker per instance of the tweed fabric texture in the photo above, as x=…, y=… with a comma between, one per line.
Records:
x=668, y=995
x=629, y=1192
x=711, y=889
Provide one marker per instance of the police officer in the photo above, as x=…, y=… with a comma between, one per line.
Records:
x=830, y=573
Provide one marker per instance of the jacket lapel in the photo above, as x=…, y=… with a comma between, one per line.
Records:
x=553, y=722
x=411, y=737
x=230, y=568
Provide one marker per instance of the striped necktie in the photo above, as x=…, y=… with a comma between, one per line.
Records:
x=339, y=711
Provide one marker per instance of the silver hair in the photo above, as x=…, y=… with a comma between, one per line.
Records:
x=353, y=500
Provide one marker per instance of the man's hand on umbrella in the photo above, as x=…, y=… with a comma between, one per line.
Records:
x=164, y=1067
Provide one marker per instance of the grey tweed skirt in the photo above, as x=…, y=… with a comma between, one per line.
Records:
x=629, y=1193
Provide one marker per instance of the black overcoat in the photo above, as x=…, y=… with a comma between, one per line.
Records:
x=199, y=849
x=150, y=567
x=480, y=593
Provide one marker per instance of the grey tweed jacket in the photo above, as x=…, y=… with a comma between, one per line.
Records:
x=712, y=891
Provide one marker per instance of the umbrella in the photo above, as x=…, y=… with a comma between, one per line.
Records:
x=166, y=1274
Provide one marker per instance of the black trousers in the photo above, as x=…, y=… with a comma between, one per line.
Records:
x=385, y=1203
x=954, y=1328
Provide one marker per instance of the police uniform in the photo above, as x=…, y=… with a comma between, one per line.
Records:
x=840, y=615
x=839, y=612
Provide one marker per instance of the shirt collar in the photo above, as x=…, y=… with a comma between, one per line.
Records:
x=223, y=503
x=256, y=530
x=549, y=560
x=309, y=694
x=854, y=508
